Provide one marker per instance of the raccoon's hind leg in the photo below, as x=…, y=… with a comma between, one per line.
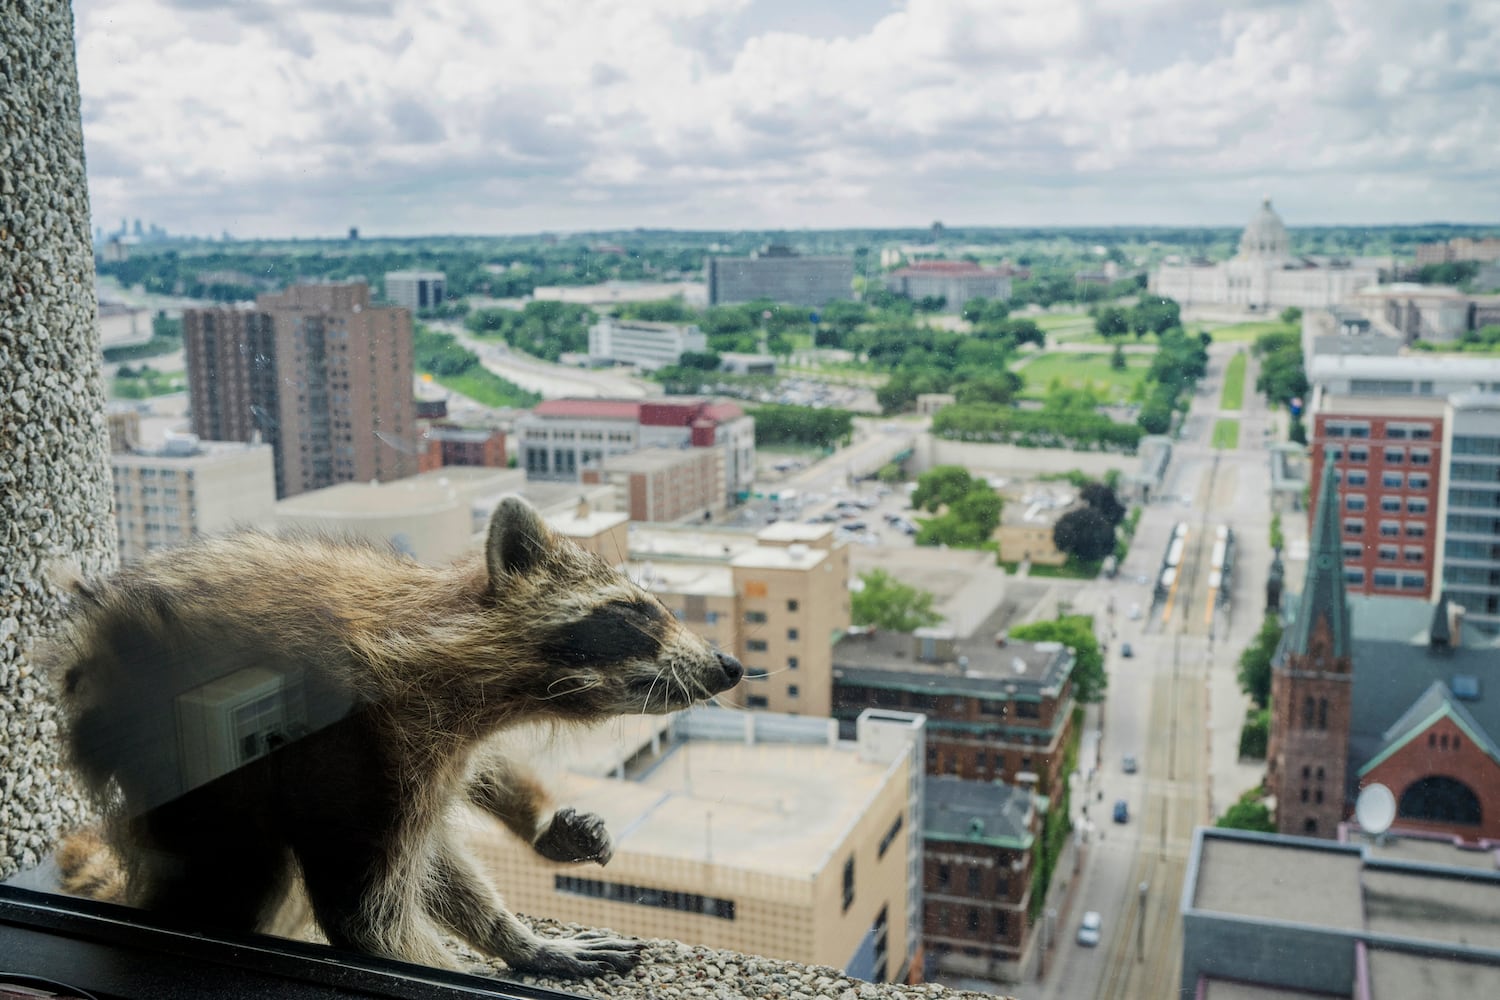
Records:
x=461, y=900
x=518, y=800
x=190, y=861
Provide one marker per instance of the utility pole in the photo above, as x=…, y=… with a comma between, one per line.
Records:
x=1140, y=927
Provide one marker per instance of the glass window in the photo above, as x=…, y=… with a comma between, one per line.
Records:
x=755, y=617
x=1358, y=454
x=1387, y=553
x=1416, y=529
x=1385, y=578
x=1417, y=481
x=1395, y=456
x=1416, y=505
x=1414, y=555
x=1354, y=576
x=1354, y=527
x=755, y=645
x=1413, y=581
x=1420, y=456
x=1353, y=550
x=1358, y=477
x=1390, y=480
x=1391, y=505
x=1355, y=501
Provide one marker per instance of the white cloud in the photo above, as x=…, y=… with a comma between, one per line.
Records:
x=303, y=117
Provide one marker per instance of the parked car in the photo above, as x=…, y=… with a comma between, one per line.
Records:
x=1135, y=611
x=1126, y=651
x=1129, y=764
x=1088, y=930
x=1122, y=811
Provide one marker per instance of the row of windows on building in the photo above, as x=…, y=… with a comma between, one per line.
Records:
x=1359, y=455
x=1386, y=578
x=942, y=917
x=1388, y=480
x=1468, y=445
x=614, y=437
x=1474, y=472
x=948, y=705
x=1388, y=504
x=1386, y=553
x=666, y=899
x=1361, y=429
x=1483, y=499
x=984, y=761
x=999, y=887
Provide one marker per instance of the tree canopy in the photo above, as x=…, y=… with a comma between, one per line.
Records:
x=887, y=603
x=972, y=507
x=1084, y=534
x=1255, y=661
x=1077, y=633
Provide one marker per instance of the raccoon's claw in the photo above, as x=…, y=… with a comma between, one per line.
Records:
x=590, y=954
x=575, y=836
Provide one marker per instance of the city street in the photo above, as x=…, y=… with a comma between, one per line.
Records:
x=1174, y=705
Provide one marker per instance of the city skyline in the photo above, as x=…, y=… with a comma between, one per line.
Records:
x=268, y=119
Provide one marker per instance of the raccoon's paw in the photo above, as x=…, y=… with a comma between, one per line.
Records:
x=593, y=953
x=575, y=836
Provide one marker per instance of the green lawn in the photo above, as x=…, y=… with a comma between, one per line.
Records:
x=1065, y=327
x=150, y=383
x=1248, y=332
x=1226, y=433
x=488, y=389
x=1081, y=370
x=1233, y=395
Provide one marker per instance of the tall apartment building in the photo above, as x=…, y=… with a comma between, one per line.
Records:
x=759, y=833
x=324, y=377
x=954, y=281
x=190, y=488
x=1469, y=559
x=415, y=290
x=665, y=485
x=646, y=345
x=780, y=275
x=560, y=438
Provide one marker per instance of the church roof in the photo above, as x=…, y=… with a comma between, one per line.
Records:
x=1435, y=703
x=1323, y=594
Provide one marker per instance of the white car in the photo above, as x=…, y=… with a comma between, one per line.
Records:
x=1088, y=930
x=1135, y=612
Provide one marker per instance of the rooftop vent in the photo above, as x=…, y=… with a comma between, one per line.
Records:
x=1466, y=687
x=1017, y=664
x=976, y=827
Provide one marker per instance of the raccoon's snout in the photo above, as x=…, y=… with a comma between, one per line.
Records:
x=732, y=670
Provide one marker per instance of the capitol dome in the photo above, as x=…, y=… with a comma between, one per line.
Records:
x=1265, y=237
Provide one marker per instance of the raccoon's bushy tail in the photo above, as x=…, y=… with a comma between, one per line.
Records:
x=90, y=867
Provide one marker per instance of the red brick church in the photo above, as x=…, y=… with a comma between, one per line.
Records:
x=1387, y=690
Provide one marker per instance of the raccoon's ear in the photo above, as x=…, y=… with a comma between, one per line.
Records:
x=517, y=540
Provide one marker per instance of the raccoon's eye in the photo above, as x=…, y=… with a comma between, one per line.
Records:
x=611, y=633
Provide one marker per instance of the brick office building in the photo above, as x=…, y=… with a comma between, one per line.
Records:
x=450, y=444
x=976, y=881
x=1388, y=454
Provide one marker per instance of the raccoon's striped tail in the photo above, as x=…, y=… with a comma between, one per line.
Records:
x=90, y=867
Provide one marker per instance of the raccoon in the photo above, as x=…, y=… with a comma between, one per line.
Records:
x=250, y=710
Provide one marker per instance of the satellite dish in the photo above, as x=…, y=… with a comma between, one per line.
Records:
x=1375, y=809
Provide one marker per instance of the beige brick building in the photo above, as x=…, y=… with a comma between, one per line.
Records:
x=189, y=488
x=755, y=832
x=664, y=484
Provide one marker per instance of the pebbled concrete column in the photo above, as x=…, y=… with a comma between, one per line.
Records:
x=54, y=454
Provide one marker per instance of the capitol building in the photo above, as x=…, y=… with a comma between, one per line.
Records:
x=1264, y=276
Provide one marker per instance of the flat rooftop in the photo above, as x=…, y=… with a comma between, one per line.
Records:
x=1227, y=989
x=403, y=496
x=1285, y=881
x=793, y=531
x=652, y=459
x=707, y=579
x=660, y=542
x=575, y=525
x=977, y=811
x=1433, y=852
x=779, y=557
x=1337, y=405
x=777, y=809
x=895, y=657
x=1429, y=907
x=1406, y=974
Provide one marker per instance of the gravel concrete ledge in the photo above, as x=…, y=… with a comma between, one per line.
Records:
x=681, y=971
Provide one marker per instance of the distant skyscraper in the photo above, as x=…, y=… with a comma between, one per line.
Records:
x=416, y=290
x=323, y=376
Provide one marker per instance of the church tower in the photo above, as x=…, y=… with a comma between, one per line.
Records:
x=1312, y=688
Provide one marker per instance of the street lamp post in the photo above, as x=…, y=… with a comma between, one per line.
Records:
x=1140, y=929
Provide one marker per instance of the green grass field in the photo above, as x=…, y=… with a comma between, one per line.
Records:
x=1233, y=395
x=488, y=389
x=1068, y=328
x=1081, y=370
x=1226, y=434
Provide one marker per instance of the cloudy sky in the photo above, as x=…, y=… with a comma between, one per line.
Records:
x=304, y=117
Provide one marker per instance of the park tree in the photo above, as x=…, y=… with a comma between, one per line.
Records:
x=1101, y=498
x=1117, y=359
x=1255, y=661
x=1077, y=633
x=999, y=389
x=1084, y=534
x=1111, y=322
x=942, y=485
x=887, y=603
